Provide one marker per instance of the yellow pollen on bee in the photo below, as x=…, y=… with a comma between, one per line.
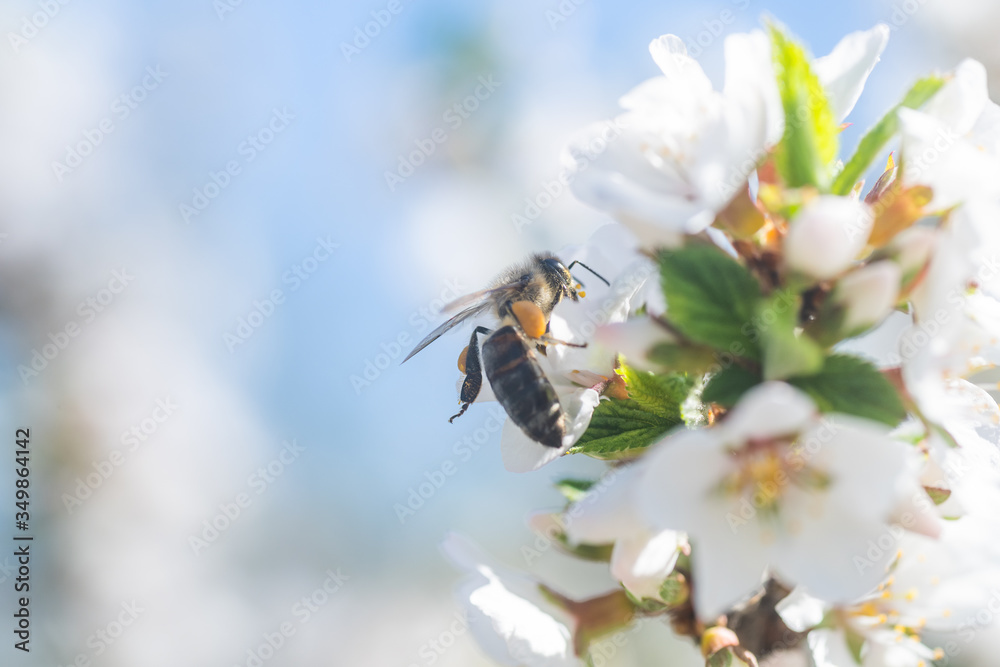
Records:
x=530, y=317
x=582, y=294
x=461, y=359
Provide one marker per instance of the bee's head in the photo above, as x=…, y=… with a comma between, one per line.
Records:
x=572, y=287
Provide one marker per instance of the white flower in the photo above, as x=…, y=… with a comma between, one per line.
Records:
x=773, y=488
x=641, y=557
x=868, y=294
x=681, y=150
x=511, y=618
x=953, y=143
x=827, y=235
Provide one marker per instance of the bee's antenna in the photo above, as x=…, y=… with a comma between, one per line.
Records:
x=576, y=261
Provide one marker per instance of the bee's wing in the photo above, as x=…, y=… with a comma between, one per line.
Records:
x=480, y=295
x=454, y=321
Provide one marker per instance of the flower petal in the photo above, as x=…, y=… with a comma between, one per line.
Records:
x=845, y=70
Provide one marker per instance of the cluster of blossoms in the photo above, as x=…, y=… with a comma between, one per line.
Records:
x=800, y=470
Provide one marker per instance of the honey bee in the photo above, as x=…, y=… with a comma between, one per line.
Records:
x=522, y=299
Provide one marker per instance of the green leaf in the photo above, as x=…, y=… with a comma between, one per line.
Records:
x=574, y=489
x=853, y=386
x=600, y=553
x=711, y=298
x=660, y=394
x=876, y=138
x=693, y=359
x=728, y=385
x=786, y=352
x=621, y=429
x=937, y=495
x=855, y=643
x=809, y=145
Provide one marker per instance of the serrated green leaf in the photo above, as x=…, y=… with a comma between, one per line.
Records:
x=574, y=489
x=808, y=147
x=621, y=429
x=786, y=353
x=875, y=139
x=853, y=386
x=659, y=394
x=711, y=298
x=728, y=385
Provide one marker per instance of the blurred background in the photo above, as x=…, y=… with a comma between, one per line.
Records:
x=224, y=223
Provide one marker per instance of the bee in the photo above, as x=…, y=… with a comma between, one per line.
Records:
x=522, y=299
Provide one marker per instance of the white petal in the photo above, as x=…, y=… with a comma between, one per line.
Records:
x=750, y=80
x=522, y=454
x=844, y=71
x=513, y=622
x=801, y=611
x=670, y=55
x=608, y=512
x=868, y=294
x=633, y=339
x=961, y=99
x=768, y=410
x=643, y=561
x=827, y=235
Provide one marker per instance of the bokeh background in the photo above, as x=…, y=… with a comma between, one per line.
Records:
x=207, y=283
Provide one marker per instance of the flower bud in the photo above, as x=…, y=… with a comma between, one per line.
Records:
x=868, y=294
x=912, y=250
x=827, y=235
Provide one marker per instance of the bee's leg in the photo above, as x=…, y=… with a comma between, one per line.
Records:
x=473, y=373
x=547, y=339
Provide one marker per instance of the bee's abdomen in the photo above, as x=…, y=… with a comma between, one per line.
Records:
x=522, y=389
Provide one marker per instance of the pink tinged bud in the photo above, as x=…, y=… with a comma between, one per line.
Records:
x=868, y=294
x=827, y=235
x=912, y=250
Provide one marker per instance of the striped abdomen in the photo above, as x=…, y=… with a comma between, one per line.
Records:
x=522, y=389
